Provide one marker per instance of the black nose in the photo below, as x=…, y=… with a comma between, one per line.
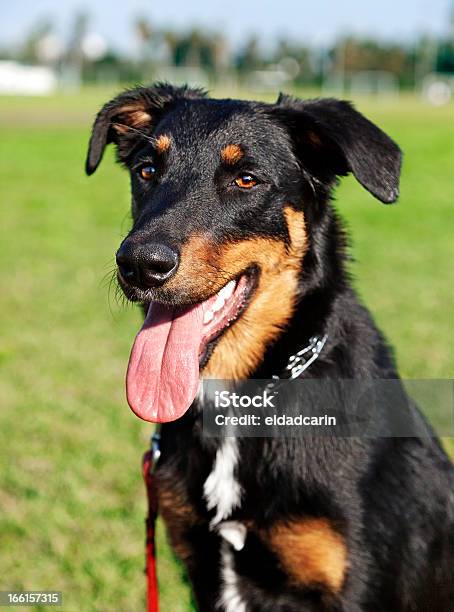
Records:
x=146, y=265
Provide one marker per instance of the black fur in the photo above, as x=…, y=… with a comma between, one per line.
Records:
x=391, y=499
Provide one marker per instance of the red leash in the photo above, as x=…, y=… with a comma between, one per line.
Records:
x=148, y=466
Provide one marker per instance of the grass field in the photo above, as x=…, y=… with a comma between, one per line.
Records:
x=71, y=496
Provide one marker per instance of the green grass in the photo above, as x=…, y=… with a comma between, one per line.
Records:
x=71, y=496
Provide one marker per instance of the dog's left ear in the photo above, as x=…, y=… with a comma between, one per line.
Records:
x=332, y=138
x=131, y=117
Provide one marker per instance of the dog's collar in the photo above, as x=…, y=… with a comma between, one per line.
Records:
x=300, y=361
x=296, y=365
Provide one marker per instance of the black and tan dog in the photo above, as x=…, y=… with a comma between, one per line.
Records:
x=239, y=258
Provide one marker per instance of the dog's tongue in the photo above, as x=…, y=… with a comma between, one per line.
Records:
x=163, y=369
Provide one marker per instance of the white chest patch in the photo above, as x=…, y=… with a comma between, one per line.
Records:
x=221, y=490
x=230, y=599
x=233, y=532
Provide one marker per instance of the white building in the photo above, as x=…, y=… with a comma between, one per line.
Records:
x=19, y=79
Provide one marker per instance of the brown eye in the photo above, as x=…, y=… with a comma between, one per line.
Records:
x=147, y=172
x=245, y=181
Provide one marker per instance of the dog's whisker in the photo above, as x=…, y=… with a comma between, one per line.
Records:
x=225, y=274
x=145, y=136
x=107, y=278
x=113, y=285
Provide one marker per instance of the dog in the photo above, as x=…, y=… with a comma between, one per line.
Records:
x=239, y=259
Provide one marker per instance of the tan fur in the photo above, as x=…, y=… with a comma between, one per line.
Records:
x=162, y=144
x=310, y=551
x=131, y=115
x=314, y=138
x=296, y=229
x=177, y=514
x=231, y=154
x=242, y=346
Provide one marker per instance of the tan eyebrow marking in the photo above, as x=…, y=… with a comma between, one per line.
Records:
x=231, y=154
x=131, y=116
x=314, y=138
x=162, y=143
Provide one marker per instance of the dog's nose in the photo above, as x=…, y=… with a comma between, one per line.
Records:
x=146, y=265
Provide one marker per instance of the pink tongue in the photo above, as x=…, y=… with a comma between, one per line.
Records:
x=163, y=370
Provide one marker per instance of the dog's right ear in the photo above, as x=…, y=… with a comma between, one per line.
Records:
x=130, y=117
x=332, y=139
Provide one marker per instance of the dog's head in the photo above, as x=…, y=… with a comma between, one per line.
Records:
x=224, y=197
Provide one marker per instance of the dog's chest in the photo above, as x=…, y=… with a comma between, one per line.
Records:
x=221, y=490
x=221, y=495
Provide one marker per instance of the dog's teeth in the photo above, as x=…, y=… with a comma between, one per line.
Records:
x=228, y=290
x=222, y=296
x=208, y=316
x=219, y=303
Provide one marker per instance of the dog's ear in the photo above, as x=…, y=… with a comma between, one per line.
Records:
x=332, y=138
x=130, y=117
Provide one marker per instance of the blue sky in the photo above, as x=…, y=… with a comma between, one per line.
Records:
x=315, y=21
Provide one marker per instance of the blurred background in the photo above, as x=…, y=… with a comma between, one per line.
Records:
x=72, y=502
x=262, y=46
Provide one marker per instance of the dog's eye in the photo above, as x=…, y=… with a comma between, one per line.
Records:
x=245, y=181
x=147, y=172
